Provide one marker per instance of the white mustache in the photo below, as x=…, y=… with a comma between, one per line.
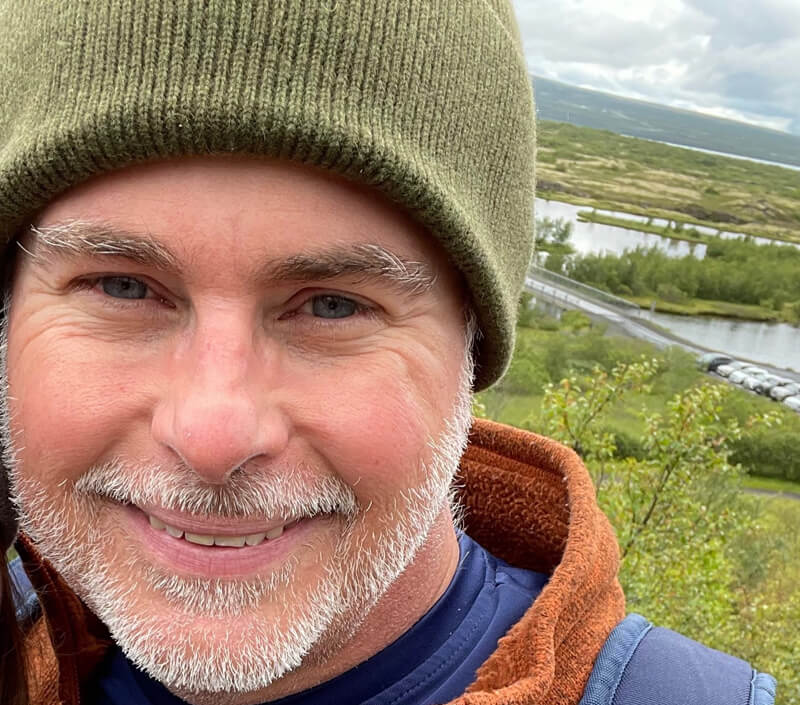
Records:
x=287, y=494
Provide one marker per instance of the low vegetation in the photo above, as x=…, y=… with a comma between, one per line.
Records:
x=549, y=350
x=668, y=448
x=673, y=230
x=736, y=278
x=601, y=169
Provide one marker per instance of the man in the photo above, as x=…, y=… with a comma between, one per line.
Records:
x=261, y=254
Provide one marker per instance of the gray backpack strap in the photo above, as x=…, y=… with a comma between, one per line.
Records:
x=645, y=665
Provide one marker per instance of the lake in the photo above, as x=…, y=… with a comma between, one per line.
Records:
x=597, y=238
x=776, y=344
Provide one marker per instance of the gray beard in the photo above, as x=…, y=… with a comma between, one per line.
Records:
x=174, y=647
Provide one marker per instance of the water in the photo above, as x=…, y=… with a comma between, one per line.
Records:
x=793, y=167
x=776, y=344
x=596, y=238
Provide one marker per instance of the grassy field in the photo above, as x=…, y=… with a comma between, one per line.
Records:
x=601, y=169
x=664, y=231
x=772, y=484
x=703, y=307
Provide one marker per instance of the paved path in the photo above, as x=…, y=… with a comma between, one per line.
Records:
x=628, y=323
x=773, y=493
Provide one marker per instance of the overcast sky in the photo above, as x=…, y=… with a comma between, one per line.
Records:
x=738, y=59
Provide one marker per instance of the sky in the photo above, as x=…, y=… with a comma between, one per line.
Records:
x=738, y=59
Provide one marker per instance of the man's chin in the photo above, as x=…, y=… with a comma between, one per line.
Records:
x=200, y=652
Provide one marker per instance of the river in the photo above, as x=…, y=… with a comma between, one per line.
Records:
x=595, y=237
x=776, y=344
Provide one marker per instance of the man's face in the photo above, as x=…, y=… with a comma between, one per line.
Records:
x=240, y=352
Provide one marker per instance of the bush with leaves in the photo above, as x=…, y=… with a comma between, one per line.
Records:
x=697, y=554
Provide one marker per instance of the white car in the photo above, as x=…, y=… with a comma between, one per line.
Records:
x=737, y=376
x=793, y=402
x=725, y=370
x=751, y=382
x=785, y=390
x=770, y=382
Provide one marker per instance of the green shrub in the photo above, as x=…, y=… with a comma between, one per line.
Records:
x=575, y=320
x=769, y=452
x=671, y=293
x=628, y=444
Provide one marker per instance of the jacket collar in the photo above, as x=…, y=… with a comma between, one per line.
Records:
x=527, y=499
x=531, y=502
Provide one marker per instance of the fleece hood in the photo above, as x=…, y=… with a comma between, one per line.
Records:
x=528, y=500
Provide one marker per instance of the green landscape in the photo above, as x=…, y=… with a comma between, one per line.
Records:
x=701, y=481
x=601, y=169
x=590, y=108
x=737, y=278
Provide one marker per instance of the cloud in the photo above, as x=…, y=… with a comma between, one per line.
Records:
x=726, y=57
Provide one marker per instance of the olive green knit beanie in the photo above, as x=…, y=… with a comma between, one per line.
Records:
x=427, y=100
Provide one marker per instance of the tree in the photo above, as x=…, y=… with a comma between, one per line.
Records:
x=698, y=555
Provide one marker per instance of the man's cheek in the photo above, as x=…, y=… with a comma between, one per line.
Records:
x=61, y=418
x=374, y=436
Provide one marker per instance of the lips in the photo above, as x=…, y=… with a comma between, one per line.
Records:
x=228, y=540
x=213, y=548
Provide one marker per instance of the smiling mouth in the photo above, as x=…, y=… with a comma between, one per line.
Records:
x=226, y=540
x=215, y=547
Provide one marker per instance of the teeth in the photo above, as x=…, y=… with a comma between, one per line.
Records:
x=202, y=539
x=206, y=540
x=237, y=541
x=254, y=539
x=172, y=531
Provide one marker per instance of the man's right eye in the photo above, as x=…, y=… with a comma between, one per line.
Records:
x=124, y=287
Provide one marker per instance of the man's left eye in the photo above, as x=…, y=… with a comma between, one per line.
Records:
x=330, y=306
x=124, y=287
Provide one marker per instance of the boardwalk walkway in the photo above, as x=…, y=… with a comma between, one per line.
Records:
x=600, y=305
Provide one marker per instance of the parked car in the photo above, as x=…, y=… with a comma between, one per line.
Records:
x=793, y=402
x=751, y=382
x=737, y=376
x=754, y=371
x=785, y=390
x=769, y=382
x=726, y=369
x=711, y=361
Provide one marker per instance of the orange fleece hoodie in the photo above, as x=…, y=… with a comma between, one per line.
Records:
x=528, y=500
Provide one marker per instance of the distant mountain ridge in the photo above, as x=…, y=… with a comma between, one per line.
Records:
x=589, y=108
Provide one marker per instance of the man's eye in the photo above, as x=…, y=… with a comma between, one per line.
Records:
x=124, y=288
x=330, y=306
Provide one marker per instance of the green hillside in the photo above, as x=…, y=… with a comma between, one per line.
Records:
x=564, y=103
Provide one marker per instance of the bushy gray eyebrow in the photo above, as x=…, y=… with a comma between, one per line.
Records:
x=360, y=263
x=77, y=238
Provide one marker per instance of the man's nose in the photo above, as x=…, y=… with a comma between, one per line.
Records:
x=218, y=410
